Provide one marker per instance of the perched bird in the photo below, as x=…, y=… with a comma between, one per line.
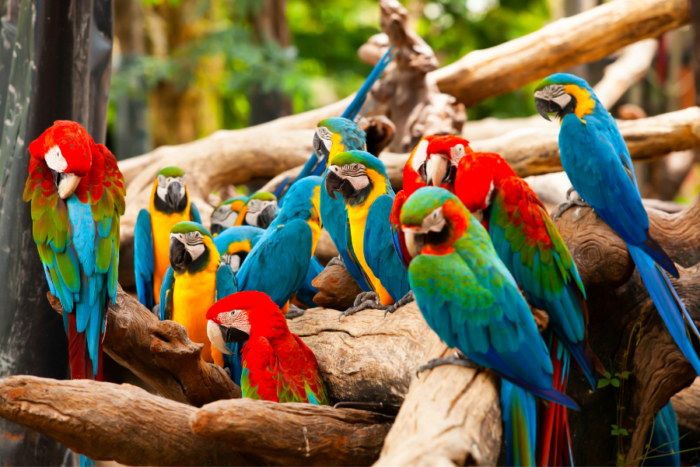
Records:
x=664, y=446
x=278, y=263
x=362, y=181
x=334, y=136
x=277, y=365
x=259, y=210
x=234, y=244
x=472, y=302
x=596, y=159
x=170, y=205
x=77, y=195
x=226, y=214
x=195, y=280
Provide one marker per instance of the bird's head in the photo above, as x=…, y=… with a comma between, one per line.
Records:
x=226, y=214
x=234, y=318
x=442, y=156
x=414, y=169
x=191, y=248
x=565, y=94
x=235, y=243
x=354, y=175
x=478, y=173
x=169, y=192
x=433, y=219
x=335, y=135
x=65, y=148
x=259, y=210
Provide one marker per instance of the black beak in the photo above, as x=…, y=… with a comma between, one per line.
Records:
x=56, y=177
x=266, y=216
x=333, y=183
x=421, y=172
x=216, y=229
x=231, y=334
x=180, y=258
x=544, y=106
x=173, y=197
x=450, y=175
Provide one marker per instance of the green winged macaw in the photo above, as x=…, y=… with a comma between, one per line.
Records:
x=362, y=181
x=169, y=205
x=195, y=280
x=234, y=244
x=258, y=210
x=276, y=364
x=279, y=262
x=596, y=159
x=226, y=214
x=77, y=195
x=470, y=299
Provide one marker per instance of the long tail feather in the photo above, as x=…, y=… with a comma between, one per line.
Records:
x=583, y=356
x=664, y=447
x=520, y=424
x=77, y=350
x=667, y=303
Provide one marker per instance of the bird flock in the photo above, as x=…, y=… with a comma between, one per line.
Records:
x=466, y=238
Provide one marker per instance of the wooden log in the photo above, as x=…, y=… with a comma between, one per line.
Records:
x=336, y=288
x=294, y=434
x=686, y=404
x=571, y=41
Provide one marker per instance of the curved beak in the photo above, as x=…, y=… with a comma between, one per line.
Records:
x=216, y=337
x=180, y=258
x=545, y=106
x=415, y=240
x=333, y=183
x=173, y=197
x=66, y=183
x=321, y=150
x=267, y=216
x=436, y=169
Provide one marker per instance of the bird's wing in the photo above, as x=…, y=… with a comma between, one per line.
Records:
x=166, y=294
x=307, y=292
x=194, y=213
x=226, y=283
x=314, y=387
x=259, y=378
x=143, y=259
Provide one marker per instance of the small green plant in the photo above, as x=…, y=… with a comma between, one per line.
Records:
x=615, y=382
x=617, y=431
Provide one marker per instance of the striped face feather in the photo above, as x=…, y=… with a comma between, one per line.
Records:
x=356, y=174
x=322, y=141
x=554, y=93
x=224, y=217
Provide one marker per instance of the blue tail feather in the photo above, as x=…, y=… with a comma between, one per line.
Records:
x=582, y=357
x=519, y=414
x=86, y=462
x=664, y=447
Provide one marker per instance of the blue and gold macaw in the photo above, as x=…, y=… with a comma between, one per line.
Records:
x=258, y=210
x=226, y=214
x=234, y=244
x=362, y=181
x=279, y=262
x=195, y=280
x=596, y=159
x=170, y=204
x=470, y=299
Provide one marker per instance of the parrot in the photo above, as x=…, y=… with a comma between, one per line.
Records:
x=77, y=197
x=596, y=160
x=169, y=205
x=664, y=446
x=194, y=281
x=527, y=241
x=279, y=262
x=259, y=210
x=362, y=181
x=277, y=365
x=234, y=244
x=334, y=136
x=470, y=299
x=226, y=214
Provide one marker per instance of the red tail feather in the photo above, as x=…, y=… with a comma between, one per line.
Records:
x=80, y=362
x=555, y=438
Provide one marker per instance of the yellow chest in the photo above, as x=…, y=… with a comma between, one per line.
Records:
x=161, y=224
x=193, y=295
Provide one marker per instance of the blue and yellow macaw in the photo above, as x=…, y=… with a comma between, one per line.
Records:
x=596, y=159
x=170, y=204
x=258, y=210
x=470, y=299
x=280, y=260
x=234, y=244
x=362, y=181
x=195, y=280
x=226, y=214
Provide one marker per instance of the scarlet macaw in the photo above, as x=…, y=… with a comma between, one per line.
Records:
x=259, y=210
x=277, y=365
x=194, y=281
x=226, y=214
x=363, y=183
x=469, y=298
x=77, y=195
x=170, y=204
x=596, y=159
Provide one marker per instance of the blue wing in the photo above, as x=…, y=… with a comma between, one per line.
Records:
x=143, y=259
x=226, y=283
x=194, y=213
x=278, y=263
x=379, y=250
x=307, y=292
x=166, y=294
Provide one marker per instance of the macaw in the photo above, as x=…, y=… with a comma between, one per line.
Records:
x=170, y=204
x=234, y=244
x=596, y=159
x=259, y=210
x=334, y=136
x=362, y=181
x=527, y=241
x=226, y=214
x=195, y=280
x=77, y=196
x=469, y=298
x=664, y=446
x=277, y=365
x=278, y=263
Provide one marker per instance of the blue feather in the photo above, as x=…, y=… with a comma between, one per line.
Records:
x=226, y=283
x=664, y=439
x=519, y=410
x=143, y=259
x=194, y=213
x=306, y=293
x=166, y=294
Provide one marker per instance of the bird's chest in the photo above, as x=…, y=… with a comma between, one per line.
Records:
x=193, y=295
x=161, y=225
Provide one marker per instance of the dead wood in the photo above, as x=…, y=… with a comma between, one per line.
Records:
x=294, y=434
x=686, y=404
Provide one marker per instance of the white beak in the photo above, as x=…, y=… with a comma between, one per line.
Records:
x=68, y=185
x=415, y=241
x=216, y=339
x=436, y=169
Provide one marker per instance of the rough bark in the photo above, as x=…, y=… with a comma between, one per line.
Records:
x=582, y=38
x=336, y=288
x=686, y=404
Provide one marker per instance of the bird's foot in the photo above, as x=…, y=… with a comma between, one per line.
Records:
x=294, y=312
x=570, y=202
x=456, y=359
x=156, y=310
x=405, y=300
x=364, y=301
x=337, y=260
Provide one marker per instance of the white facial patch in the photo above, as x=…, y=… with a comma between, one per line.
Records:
x=420, y=155
x=435, y=222
x=235, y=318
x=456, y=153
x=224, y=216
x=554, y=93
x=164, y=183
x=489, y=194
x=232, y=261
x=55, y=160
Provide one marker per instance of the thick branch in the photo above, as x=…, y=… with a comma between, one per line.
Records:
x=583, y=38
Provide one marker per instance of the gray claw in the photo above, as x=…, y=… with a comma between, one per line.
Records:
x=456, y=359
x=570, y=202
x=405, y=300
x=294, y=312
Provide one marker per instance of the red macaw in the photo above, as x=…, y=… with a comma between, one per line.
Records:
x=277, y=365
x=529, y=244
